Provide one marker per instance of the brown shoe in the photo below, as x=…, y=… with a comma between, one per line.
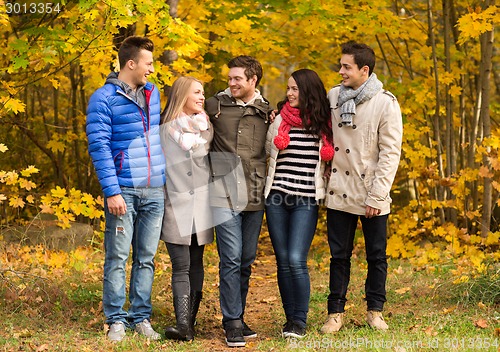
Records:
x=333, y=324
x=376, y=320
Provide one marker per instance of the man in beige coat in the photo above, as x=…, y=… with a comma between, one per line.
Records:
x=367, y=133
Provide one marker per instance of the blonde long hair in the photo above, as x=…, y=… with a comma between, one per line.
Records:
x=177, y=98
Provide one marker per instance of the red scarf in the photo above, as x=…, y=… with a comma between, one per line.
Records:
x=291, y=117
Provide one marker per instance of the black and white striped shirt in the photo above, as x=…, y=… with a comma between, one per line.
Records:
x=296, y=164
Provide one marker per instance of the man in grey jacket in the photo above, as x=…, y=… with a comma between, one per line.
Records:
x=239, y=116
x=367, y=133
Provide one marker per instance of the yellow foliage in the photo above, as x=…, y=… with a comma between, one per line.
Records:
x=3, y=148
x=474, y=24
x=57, y=259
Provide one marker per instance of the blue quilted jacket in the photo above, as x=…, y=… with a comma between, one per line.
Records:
x=124, y=139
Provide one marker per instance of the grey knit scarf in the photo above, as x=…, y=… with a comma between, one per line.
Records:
x=349, y=98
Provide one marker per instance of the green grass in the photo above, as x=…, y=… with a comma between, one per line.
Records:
x=425, y=311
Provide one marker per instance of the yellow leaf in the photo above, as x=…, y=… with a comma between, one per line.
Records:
x=46, y=209
x=87, y=198
x=58, y=192
x=29, y=170
x=16, y=202
x=30, y=199
x=3, y=148
x=26, y=184
x=55, y=83
x=403, y=290
x=485, y=172
x=10, y=178
x=15, y=105
x=55, y=146
x=2, y=197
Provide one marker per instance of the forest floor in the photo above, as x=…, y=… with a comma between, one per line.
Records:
x=41, y=311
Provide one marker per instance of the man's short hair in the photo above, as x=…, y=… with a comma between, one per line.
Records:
x=131, y=47
x=363, y=55
x=251, y=65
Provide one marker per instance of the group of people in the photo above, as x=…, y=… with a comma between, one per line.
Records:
x=221, y=164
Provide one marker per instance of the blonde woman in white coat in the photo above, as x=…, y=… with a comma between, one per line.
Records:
x=299, y=142
x=187, y=223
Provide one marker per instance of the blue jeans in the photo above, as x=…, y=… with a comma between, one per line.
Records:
x=291, y=221
x=341, y=230
x=140, y=228
x=237, y=235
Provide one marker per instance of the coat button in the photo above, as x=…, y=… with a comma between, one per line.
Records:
x=362, y=175
x=334, y=170
x=336, y=149
x=191, y=192
x=331, y=192
x=340, y=125
x=354, y=127
x=344, y=195
x=347, y=151
x=347, y=173
x=189, y=173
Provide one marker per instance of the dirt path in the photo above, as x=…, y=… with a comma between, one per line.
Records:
x=263, y=312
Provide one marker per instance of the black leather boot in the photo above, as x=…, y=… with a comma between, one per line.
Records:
x=183, y=330
x=195, y=305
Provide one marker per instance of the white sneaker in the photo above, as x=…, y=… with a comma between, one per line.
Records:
x=116, y=331
x=146, y=330
x=376, y=320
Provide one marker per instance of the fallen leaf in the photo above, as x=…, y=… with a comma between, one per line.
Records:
x=403, y=290
x=429, y=331
x=481, y=323
x=399, y=270
x=269, y=299
x=448, y=310
x=43, y=347
x=497, y=332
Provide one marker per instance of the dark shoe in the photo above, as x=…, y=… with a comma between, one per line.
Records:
x=183, y=330
x=247, y=332
x=287, y=327
x=297, y=331
x=195, y=305
x=234, y=333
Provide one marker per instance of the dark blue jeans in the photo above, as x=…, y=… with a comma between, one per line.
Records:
x=341, y=231
x=237, y=235
x=291, y=221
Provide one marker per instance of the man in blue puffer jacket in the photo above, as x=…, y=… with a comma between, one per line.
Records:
x=123, y=119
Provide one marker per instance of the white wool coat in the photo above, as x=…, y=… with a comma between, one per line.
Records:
x=187, y=192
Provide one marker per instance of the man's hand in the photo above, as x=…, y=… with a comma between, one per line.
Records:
x=371, y=212
x=272, y=115
x=117, y=205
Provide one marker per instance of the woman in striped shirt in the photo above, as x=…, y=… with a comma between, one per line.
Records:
x=299, y=143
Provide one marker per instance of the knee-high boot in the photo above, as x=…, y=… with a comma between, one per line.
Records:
x=195, y=305
x=183, y=331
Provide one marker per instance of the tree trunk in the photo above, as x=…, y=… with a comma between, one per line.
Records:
x=436, y=119
x=484, y=86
